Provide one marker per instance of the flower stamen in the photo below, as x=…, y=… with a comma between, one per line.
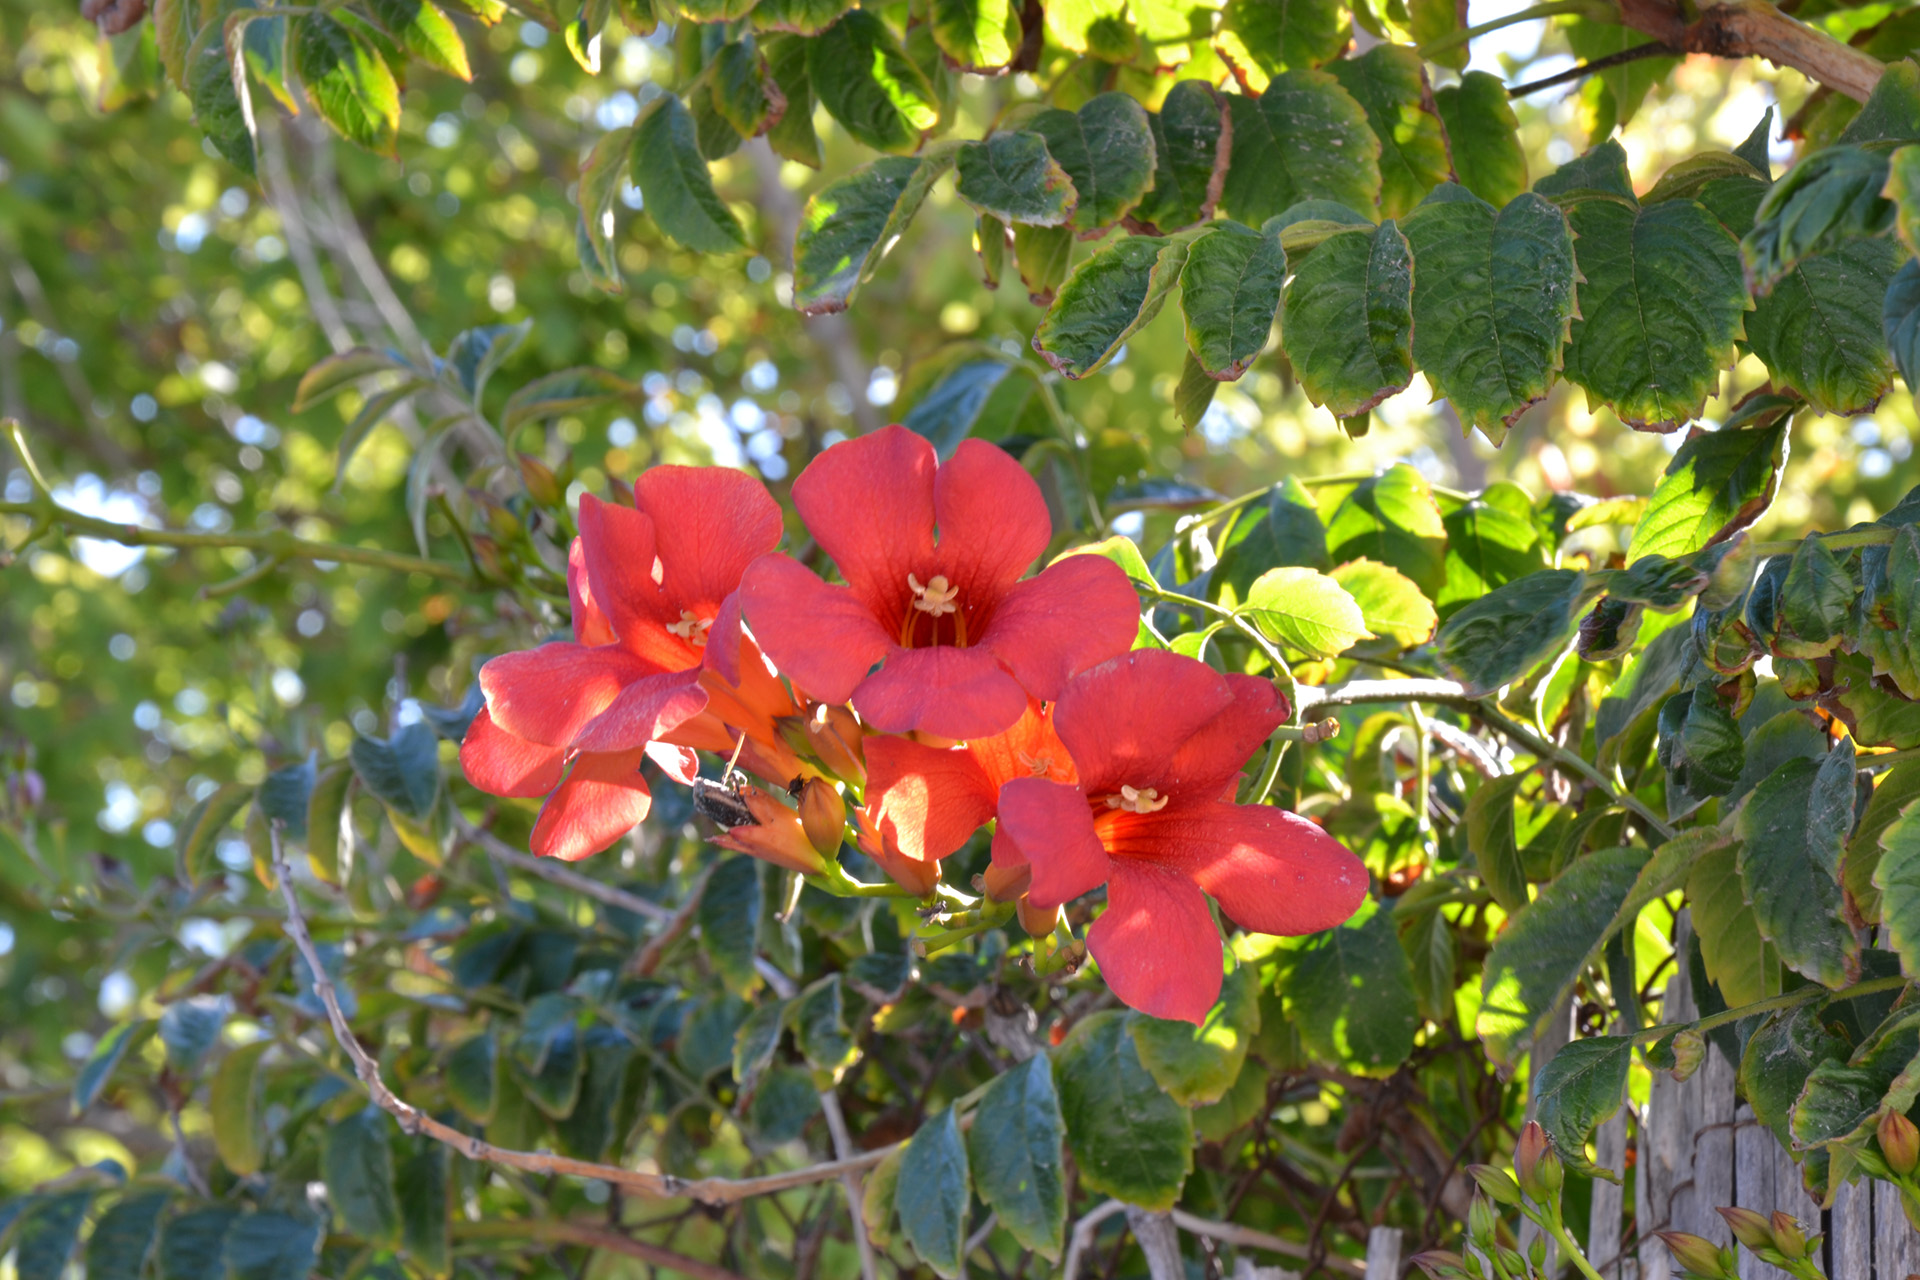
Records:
x=692, y=628
x=1138, y=800
x=936, y=597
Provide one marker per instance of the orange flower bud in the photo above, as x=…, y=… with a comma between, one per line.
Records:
x=1749, y=1228
x=1527, y=1156
x=1899, y=1143
x=1006, y=884
x=823, y=815
x=774, y=835
x=1789, y=1237
x=1037, y=923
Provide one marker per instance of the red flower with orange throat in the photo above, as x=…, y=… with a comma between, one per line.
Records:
x=1159, y=741
x=960, y=639
x=576, y=718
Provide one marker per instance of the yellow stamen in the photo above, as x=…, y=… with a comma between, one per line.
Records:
x=936, y=597
x=692, y=628
x=1141, y=800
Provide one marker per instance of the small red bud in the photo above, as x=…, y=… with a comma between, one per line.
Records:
x=1899, y=1143
x=1527, y=1154
x=823, y=813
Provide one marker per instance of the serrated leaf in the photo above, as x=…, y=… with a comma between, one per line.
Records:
x=424, y=32
x=1392, y=518
x=1483, y=138
x=1191, y=147
x=1815, y=602
x=1897, y=877
x=272, y=1246
x=932, y=1192
x=1230, y=295
x=1718, y=484
x=1390, y=604
x=1490, y=836
x=979, y=35
x=1504, y=635
x=1097, y=28
x=403, y=771
x=1196, y=1065
x=1828, y=199
x=1129, y=1139
x=1793, y=829
x=1387, y=81
x=1262, y=38
x=729, y=917
x=107, y=1055
x=1782, y=1052
x=800, y=17
x=1012, y=177
x=866, y=81
x=1842, y=1100
x=347, y=81
x=1107, y=150
x=1662, y=304
x=357, y=1163
x=1014, y=1150
x=233, y=1105
x=1821, y=332
x=674, y=183
x=1493, y=302
x=1350, y=993
x=1305, y=610
x=1584, y=1084
x=849, y=225
x=1701, y=749
x=1304, y=138
x=1348, y=326
x=1107, y=299
x=124, y=1236
x=1897, y=788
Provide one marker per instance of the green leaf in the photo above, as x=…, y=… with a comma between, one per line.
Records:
x=1506, y=634
x=979, y=35
x=931, y=1195
x=1194, y=393
x=729, y=918
x=1821, y=331
x=1390, y=605
x=866, y=81
x=108, y=1053
x=1898, y=787
x=1120, y=549
x=819, y=1024
x=175, y=23
x=348, y=82
x=1430, y=20
x=1829, y=198
x=1738, y=960
x=1548, y=944
x=1584, y=1084
x=189, y=1029
x=48, y=1230
x=876, y=1203
x=1098, y=28
x=1779, y=1056
x=743, y=93
x=1106, y=148
x=1392, y=518
x=1042, y=255
x=1663, y=302
x=472, y=1077
x=1197, y=1065
x=1350, y=993
x=357, y=1163
x=793, y=136
x=1129, y=1139
x=568, y=391
x=272, y=1246
x=546, y=1055
x=204, y=826
x=1897, y=877
x=1305, y=138
x=1626, y=83
x=588, y=1129
x=1900, y=321
x=1387, y=81
x=192, y=1244
x=425, y=32
x=330, y=839
x=755, y=1043
x=1014, y=1147
x=1701, y=748
x=1815, y=602
x=123, y=1237
x=1012, y=177
x=1265, y=37
x=1483, y=138
x=338, y=372
x=217, y=87
x=233, y=1105
x=1793, y=829
x=1487, y=546
x=1491, y=837
x=1349, y=319
x=1107, y=299
x=403, y=771
x=1306, y=610
x=1493, y=302
x=1229, y=295
x=1843, y=1100
x=1601, y=171
x=707, y=1037
x=674, y=183
x=849, y=225
x=800, y=17
x=1718, y=484
x=1191, y=147
x=422, y=1188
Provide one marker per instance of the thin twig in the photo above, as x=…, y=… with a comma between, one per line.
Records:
x=856, y=1198
x=1082, y=1238
x=648, y=958
x=1248, y=1238
x=590, y=1235
x=714, y=1191
x=1585, y=69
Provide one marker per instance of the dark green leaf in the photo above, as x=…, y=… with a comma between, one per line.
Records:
x=1042, y=255
x=932, y=1193
x=222, y=106
x=819, y=1026
x=1266, y=37
x=348, y=82
x=48, y=1230
x=189, y=1030
x=1349, y=319
x=285, y=795
x=1601, y=171
x=674, y=183
x=1014, y=1147
x=1506, y=634
x=1197, y=1065
x=1717, y=484
x=1701, y=748
x=783, y=1104
x=1829, y=198
x=1816, y=601
x=793, y=137
x=588, y=1129
x=1108, y=298
x=472, y=1079
x=404, y=771
x=729, y=917
x=1012, y=177
x=1305, y=138
x=105, y=1059
x=1191, y=148
x=1584, y=1084
x=1491, y=838
x=866, y=81
x=1821, y=331
x=425, y=1206
x=1493, y=302
x=1898, y=787
x=272, y=1246
x=1229, y=294
x=850, y=224
x=1780, y=1055
x=743, y=93
x=756, y=1041
x=1897, y=877
x=1842, y=1100
x=357, y=1163
x=425, y=32
x=1106, y=148
x=1130, y=1139
x=546, y=1056
x=1483, y=138
x=707, y=1037
x=1794, y=827
x=1350, y=993
x=1388, y=82
x=979, y=35
x=123, y=1238
x=192, y=1245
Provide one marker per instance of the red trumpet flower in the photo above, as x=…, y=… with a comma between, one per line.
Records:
x=961, y=641
x=1159, y=741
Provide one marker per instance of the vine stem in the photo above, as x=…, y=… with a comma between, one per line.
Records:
x=1792, y=999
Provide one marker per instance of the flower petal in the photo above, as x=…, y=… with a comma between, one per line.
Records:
x=1126, y=719
x=1156, y=944
x=710, y=523
x=1052, y=827
x=992, y=519
x=678, y=763
x=1212, y=758
x=947, y=692
x=645, y=711
x=926, y=802
x=547, y=695
x=725, y=640
x=502, y=765
x=590, y=625
x=869, y=504
x=821, y=637
x=1076, y=614
x=1030, y=749
x=621, y=550
x=603, y=798
x=1271, y=871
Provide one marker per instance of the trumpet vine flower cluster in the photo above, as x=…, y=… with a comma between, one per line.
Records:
x=934, y=689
